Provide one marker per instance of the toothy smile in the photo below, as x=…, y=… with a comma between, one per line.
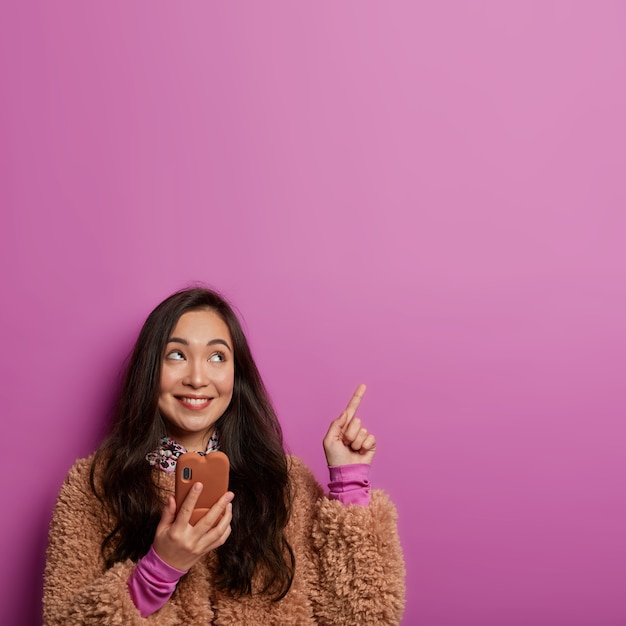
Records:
x=193, y=403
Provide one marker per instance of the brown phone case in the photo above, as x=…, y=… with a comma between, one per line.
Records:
x=211, y=470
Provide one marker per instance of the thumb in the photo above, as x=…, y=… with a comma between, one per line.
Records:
x=335, y=430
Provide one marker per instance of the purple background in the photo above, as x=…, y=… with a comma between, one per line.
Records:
x=426, y=197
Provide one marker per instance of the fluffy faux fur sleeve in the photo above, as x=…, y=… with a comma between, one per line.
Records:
x=78, y=590
x=357, y=572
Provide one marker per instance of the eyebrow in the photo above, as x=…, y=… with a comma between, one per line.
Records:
x=213, y=342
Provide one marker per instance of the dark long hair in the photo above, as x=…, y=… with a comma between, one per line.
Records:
x=250, y=435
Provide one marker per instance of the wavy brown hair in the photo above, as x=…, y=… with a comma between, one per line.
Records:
x=250, y=435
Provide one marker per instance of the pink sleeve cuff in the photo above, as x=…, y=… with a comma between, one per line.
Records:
x=350, y=484
x=152, y=583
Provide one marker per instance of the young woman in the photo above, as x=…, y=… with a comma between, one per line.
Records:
x=273, y=550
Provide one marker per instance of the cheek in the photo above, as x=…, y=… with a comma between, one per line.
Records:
x=166, y=380
x=226, y=381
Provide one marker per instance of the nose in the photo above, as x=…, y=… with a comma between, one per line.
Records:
x=197, y=374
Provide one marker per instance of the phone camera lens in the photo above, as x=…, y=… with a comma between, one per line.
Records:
x=186, y=473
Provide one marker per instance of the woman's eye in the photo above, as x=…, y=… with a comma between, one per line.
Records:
x=217, y=357
x=175, y=355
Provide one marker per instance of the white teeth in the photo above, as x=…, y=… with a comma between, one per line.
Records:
x=195, y=401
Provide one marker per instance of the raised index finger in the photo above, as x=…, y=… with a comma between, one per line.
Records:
x=353, y=405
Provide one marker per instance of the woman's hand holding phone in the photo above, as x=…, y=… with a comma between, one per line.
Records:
x=182, y=545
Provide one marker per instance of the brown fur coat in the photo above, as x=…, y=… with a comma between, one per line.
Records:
x=349, y=567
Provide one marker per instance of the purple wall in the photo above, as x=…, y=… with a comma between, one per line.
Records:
x=429, y=198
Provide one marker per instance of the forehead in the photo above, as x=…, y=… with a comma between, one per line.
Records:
x=201, y=324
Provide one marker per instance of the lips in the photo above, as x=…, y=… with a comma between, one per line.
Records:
x=194, y=403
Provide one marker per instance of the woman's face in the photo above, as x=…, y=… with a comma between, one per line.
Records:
x=197, y=378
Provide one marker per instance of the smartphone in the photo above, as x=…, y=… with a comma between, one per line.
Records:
x=211, y=470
